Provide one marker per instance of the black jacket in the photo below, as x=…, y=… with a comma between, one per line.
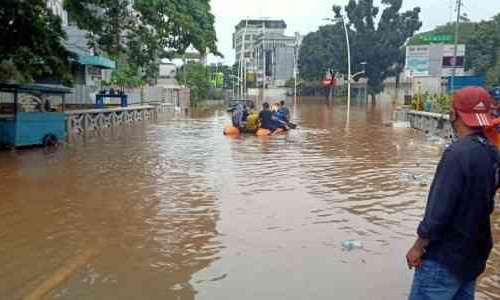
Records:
x=461, y=199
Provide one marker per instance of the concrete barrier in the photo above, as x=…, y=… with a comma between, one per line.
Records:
x=429, y=123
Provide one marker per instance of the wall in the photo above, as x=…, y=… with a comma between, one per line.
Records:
x=85, y=95
x=429, y=123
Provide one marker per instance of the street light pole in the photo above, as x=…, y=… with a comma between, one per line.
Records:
x=349, y=77
x=363, y=63
x=295, y=54
x=348, y=68
x=455, y=49
x=264, y=61
x=242, y=55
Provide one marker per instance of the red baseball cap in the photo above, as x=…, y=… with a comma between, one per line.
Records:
x=472, y=105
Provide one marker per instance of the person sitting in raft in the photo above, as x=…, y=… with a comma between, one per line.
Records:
x=238, y=117
x=245, y=114
x=252, y=122
x=265, y=118
x=285, y=110
x=279, y=119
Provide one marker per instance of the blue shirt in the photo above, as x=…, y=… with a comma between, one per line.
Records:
x=461, y=199
x=266, y=121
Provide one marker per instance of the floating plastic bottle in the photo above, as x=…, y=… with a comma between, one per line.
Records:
x=349, y=245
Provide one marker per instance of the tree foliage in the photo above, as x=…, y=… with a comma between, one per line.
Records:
x=482, y=45
x=32, y=42
x=323, y=50
x=149, y=30
x=197, y=78
x=226, y=71
x=125, y=76
x=378, y=43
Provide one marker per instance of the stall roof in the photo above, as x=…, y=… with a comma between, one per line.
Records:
x=42, y=88
x=98, y=61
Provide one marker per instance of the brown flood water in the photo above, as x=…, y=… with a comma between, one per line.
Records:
x=176, y=210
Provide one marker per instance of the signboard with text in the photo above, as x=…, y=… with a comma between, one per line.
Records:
x=437, y=38
x=417, y=60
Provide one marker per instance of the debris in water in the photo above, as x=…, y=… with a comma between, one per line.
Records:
x=349, y=245
x=401, y=124
x=405, y=177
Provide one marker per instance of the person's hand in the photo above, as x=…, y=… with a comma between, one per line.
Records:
x=414, y=257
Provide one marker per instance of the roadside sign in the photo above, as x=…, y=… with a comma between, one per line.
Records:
x=437, y=38
x=328, y=82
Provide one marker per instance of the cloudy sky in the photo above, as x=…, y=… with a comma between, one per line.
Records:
x=306, y=15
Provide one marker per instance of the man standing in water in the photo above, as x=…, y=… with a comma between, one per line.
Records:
x=454, y=237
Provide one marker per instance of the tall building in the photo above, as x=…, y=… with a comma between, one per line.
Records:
x=251, y=29
x=275, y=53
x=266, y=47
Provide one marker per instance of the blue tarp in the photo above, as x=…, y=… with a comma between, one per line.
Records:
x=465, y=81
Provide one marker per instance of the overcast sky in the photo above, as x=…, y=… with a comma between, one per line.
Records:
x=306, y=15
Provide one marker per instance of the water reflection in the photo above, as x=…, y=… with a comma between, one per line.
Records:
x=175, y=210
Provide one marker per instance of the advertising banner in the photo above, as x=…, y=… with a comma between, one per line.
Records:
x=417, y=60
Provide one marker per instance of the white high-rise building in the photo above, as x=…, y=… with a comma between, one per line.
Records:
x=58, y=10
x=251, y=29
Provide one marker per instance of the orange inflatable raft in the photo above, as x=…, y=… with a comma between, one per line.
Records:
x=233, y=131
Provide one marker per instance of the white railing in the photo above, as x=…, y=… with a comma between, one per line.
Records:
x=80, y=121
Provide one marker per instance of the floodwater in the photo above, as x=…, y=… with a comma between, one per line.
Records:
x=176, y=210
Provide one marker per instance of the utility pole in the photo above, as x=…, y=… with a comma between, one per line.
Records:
x=455, y=49
x=264, y=61
x=242, y=55
x=295, y=50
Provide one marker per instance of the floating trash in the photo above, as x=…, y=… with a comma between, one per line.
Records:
x=408, y=177
x=349, y=245
x=401, y=124
x=435, y=140
x=405, y=177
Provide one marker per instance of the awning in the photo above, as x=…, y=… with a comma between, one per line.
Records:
x=97, y=61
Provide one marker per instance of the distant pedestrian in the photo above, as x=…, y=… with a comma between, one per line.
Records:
x=454, y=237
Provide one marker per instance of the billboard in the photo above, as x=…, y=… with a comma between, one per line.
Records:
x=449, y=58
x=417, y=60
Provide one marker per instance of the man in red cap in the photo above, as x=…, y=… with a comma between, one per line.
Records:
x=454, y=237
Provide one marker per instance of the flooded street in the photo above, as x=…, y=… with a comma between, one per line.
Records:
x=176, y=210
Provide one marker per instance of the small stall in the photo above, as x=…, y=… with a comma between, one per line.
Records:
x=99, y=98
x=30, y=118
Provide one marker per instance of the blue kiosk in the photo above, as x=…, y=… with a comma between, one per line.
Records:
x=31, y=120
x=99, y=99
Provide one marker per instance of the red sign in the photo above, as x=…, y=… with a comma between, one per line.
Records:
x=328, y=82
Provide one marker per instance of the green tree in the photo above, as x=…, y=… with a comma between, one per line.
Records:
x=197, y=78
x=478, y=40
x=147, y=31
x=32, y=42
x=493, y=73
x=125, y=76
x=106, y=22
x=321, y=51
x=379, y=45
x=467, y=30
